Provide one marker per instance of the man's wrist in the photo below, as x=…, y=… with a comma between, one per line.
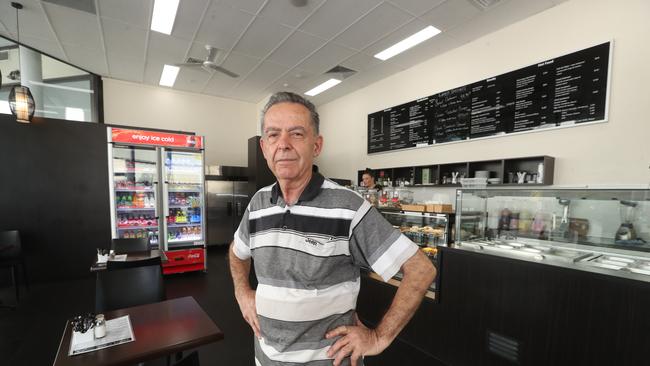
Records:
x=382, y=339
x=242, y=290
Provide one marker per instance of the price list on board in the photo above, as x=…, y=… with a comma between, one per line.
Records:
x=570, y=89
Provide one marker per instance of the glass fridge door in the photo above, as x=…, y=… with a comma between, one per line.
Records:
x=135, y=182
x=183, y=172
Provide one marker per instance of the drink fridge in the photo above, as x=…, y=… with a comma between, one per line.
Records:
x=158, y=193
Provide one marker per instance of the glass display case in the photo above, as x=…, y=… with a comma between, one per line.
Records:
x=598, y=230
x=423, y=228
x=427, y=230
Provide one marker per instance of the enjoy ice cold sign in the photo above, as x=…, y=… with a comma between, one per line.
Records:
x=142, y=137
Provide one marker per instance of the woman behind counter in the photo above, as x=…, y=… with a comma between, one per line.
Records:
x=368, y=180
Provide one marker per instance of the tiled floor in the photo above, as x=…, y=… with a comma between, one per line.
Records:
x=30, y=334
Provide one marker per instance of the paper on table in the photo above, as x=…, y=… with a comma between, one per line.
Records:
x=118, y=331
x=119, y=258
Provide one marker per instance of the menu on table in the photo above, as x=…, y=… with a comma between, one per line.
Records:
x=569, y=89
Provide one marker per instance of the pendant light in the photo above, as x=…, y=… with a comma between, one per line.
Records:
x=21, y=102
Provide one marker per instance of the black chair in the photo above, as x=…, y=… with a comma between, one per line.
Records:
x=113, y=265
x=125, y=246
x=11, y=255
x=190, y=360
x=128, y=287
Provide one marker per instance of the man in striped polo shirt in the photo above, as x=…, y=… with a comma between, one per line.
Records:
x=309, y=237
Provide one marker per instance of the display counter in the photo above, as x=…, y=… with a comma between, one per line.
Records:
x=603, y=231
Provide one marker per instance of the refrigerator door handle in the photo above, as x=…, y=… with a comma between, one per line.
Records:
x=238, y=209
x=229, y=208
x=155, y=199
x=164, y=199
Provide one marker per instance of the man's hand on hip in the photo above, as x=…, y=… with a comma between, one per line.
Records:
x=246, y=301
x=356, y=341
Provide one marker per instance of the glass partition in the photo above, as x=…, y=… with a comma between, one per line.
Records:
x=60, y=90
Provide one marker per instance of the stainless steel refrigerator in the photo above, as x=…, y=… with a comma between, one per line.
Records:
x=226, y=204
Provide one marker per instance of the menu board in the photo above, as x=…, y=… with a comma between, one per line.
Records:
x=566, y=90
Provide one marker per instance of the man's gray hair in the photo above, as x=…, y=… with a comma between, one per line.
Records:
x=289, y=97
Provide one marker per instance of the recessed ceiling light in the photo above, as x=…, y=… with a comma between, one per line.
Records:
x=407, y=43
x=168, y=76
x=322, y=87
x=164, y=13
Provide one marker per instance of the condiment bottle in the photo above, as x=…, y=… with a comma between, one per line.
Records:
x=100, y=326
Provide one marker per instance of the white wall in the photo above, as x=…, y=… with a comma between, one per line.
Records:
x=226, y=124
x=616, y=152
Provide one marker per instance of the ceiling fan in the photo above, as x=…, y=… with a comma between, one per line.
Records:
x=208, y=64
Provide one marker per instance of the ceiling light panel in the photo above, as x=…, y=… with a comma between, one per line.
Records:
x=322, y=87
x=403, y=32
x=164, y=14
x=412, y=41
x=168, y=76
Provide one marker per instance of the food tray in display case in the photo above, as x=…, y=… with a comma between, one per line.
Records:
x=599, y=230
x=423, y=228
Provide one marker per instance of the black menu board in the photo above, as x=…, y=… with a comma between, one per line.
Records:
x=403, y=126
x=451, y=115
x=565, y=90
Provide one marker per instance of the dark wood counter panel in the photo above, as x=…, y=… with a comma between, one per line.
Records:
x=530, y=312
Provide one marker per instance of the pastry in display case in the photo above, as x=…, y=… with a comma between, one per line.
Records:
x=423, y=228
x=599, y=230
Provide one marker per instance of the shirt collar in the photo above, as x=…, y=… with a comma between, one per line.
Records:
x=311, y=191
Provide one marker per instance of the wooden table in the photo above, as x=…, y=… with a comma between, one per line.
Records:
x=133, y=256
x=160, y=329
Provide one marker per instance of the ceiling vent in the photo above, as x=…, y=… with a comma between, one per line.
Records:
x=83, y=5
x=485, y=4
x=342, y=71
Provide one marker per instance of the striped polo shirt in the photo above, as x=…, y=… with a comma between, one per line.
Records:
x=307, y=259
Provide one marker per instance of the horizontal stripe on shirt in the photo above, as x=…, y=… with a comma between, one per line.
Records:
x=262, y=359
x=314, y=245
x=332, y=213
x=294, y=336
x=390, y=261
x=300, y=356
x=321, y=225
x=291, y=304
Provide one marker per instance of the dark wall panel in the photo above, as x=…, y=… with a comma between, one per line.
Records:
x=54, y=189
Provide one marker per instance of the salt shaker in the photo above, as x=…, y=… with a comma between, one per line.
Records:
x=100, y=326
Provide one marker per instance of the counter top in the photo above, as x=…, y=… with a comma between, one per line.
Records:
x=587, y=258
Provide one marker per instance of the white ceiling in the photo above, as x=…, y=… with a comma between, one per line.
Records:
x=272, y=44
